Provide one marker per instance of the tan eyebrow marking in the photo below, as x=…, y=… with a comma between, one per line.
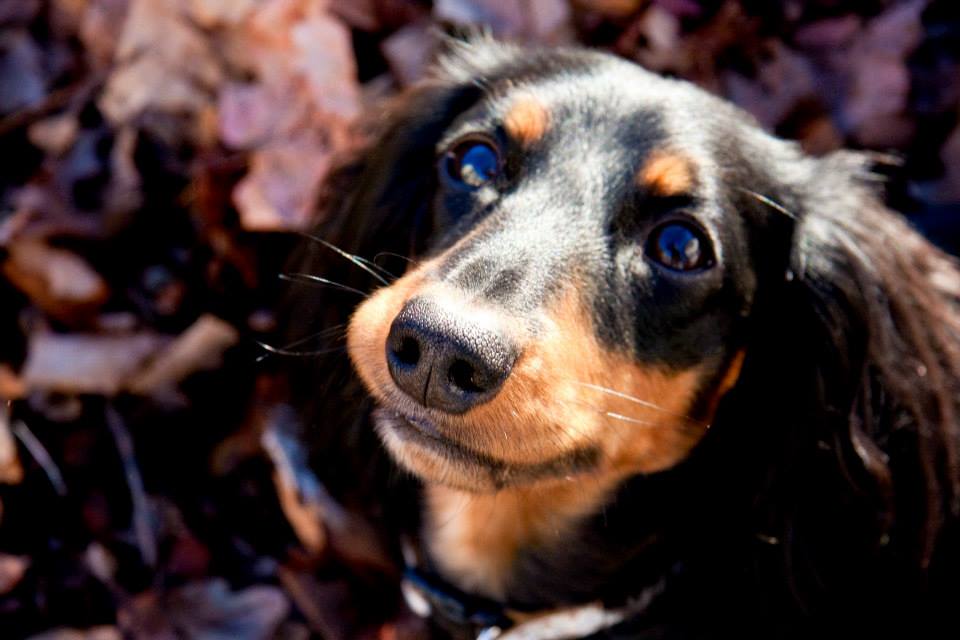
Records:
x=527, y=120
x=666, y=173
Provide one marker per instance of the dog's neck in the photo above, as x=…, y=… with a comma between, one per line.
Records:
x=475, y=540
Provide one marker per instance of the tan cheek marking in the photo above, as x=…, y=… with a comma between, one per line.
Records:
x=666, y=173
x=527, y=120
x=727, y=382
x=568, y=391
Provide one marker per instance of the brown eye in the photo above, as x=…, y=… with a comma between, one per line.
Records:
x=472, y=163
x=680, y=246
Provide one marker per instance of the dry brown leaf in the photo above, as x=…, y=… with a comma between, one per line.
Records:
x=359, y=14
x=11, y=471
x=61, y=283
x=93, y=633
x=544, y=21
x=280, y=191
x=210, y=610
x=294, y=114
x=409, y=51
x=781, y=83
x=84, y=363
x=199, y=348
x=12, y=569
x=23, y=80
x=210, y=14
x=55, y=134
x=879, y=81
x=613, y=8
x=162, y=62
x=100, y=28
x=828, y=34
x=249, y=115
x=297, y=493
x=11, y=386
x=324, y=59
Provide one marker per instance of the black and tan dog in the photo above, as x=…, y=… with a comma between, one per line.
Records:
x=647, y=353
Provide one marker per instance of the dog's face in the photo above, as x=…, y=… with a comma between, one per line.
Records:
x=591, y=273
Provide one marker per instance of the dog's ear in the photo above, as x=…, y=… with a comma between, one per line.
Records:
x=857, y=373
x=376, y=205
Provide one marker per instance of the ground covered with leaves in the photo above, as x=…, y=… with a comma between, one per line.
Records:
x=157, y=161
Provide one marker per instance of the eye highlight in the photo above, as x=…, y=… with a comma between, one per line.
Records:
x=472, y=163
x=680, y=246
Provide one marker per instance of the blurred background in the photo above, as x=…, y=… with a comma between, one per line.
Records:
x=157, y=160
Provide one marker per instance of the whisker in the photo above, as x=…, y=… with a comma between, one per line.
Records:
x=688, y=423
x=303, y=354
x=378, y=268
x=312, y=279
x=620, y=394
x=394, y=255
x=356, y=260
x=776, y=206
x=620, y=416
x=635, y=400
x=330, y=331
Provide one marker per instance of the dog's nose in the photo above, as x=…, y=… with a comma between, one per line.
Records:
x=444, y=359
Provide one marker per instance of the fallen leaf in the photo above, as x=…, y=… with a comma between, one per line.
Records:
x=781, y=83
x=280, y=191
x=874, y=111
x=210, y=610
x=200, y=347
x=12, y=569
x=59, y=282
x=162, y=62
x=613, y=8
x=11, y=386
x=409, y=51
x=211, y=14
x=84, y=363
x=324, y=59
x=828, y=34
x=538, y=20
x=55, y=134
x=93, y=633
x=23, y=81
x=11, y=471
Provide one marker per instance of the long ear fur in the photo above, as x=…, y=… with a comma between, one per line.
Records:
x=855, y=374
x=376, y=206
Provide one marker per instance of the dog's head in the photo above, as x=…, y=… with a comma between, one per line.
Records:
x=582, y=301
x=609, y=254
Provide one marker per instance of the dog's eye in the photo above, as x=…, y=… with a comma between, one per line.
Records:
x=473, y=163
x=679, y=246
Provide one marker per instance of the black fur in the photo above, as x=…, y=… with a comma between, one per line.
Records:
x=825, y=496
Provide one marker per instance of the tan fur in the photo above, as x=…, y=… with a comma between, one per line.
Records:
x=666, y=173
x=527, y=120
x=474, y=538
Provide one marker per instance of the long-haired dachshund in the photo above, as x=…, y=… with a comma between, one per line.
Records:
x=652, y=369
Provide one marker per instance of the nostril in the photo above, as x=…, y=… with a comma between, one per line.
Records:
x=464, y=376
x=407, y=352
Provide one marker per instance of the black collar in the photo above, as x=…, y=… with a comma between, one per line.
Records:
x=468, y=617
x=459, y=613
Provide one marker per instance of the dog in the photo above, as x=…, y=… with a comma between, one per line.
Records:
x=647, y=364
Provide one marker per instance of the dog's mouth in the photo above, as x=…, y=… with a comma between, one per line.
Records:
x=417, y=430
x=409, y=436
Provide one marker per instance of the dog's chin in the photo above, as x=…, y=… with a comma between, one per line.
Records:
x=417, y=445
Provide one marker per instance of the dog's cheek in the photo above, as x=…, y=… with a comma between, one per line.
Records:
x=567, y=391
x=366, y=337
